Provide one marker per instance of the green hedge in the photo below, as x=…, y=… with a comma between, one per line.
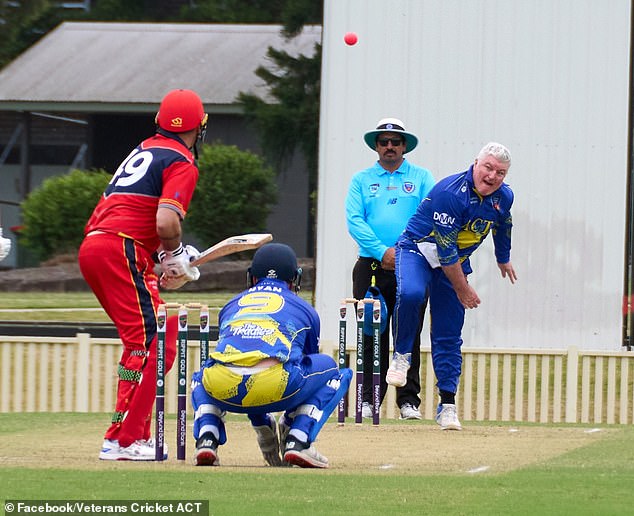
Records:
x=54, y=215
x=235, y=194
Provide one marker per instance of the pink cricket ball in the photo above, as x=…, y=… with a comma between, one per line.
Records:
x=350, y=38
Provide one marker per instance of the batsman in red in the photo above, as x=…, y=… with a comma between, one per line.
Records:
x=138, y=219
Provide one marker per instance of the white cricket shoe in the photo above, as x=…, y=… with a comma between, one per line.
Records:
x=303, y=455
x=397, y=372
x=138, y=450
x=152, y=442
x=268, y=442
x=109, y=449
x=367, y=410
x=447, y=417
x=409, y=411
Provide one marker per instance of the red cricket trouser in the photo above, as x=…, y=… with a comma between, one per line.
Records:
x=121, y=274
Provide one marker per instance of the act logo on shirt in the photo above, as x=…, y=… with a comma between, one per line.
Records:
x=408, y=187
x=374, y=188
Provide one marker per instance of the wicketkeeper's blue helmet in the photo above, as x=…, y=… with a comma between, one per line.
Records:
x=275, y=261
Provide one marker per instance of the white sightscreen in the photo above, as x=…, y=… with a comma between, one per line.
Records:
x=549, y=79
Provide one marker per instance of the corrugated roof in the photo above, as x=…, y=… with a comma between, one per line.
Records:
x=130, y=66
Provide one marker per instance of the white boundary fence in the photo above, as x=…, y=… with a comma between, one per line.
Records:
x=49, y=374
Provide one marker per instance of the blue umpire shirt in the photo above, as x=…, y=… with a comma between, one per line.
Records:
x=379, y=204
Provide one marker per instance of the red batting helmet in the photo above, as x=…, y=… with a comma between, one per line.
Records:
x=181, y=111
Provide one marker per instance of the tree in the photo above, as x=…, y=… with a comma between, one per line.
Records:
x=293, y=81
x=55, y=213
x=23, y=23
x=292, y=122
x=235, y=193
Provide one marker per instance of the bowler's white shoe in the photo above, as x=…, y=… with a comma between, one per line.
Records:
x=397, y=372
x=447, y=417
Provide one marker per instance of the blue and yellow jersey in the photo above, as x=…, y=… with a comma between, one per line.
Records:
x=457, y=219
x=267, y=320
x=378, y=205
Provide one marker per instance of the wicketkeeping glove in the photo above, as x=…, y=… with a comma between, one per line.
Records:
x=176, y=266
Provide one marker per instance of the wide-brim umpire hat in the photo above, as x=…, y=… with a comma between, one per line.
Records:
x=391, y=125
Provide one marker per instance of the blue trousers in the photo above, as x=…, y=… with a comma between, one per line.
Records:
x=414, y=276
x=314, y=387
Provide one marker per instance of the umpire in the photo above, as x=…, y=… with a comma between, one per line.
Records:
x=380, y=201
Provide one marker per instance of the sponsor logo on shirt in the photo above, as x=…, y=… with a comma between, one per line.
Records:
x=443, y=219
x=374, y=188
x=251, y=331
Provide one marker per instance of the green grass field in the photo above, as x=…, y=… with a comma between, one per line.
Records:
x=53, y=456
x=595, y=479
x=84, y=307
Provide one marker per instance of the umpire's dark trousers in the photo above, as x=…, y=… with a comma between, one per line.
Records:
x=362, y=274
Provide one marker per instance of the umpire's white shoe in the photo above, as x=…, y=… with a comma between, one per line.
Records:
x=409, y=411
x=447, y=417
x=268, y=443
x=367, y=411
x=303, y=455
x=397, y=372
x=138, y=450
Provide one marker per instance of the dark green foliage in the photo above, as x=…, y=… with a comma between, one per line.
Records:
x=55, y=213
x=293, y=14
x=293, y=121
x=23, y=24
x=234, y=195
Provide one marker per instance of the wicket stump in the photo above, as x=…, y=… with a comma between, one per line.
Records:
x=181, y=354
x=376, y=356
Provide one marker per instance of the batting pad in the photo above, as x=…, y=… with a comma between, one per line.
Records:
x=344, y=379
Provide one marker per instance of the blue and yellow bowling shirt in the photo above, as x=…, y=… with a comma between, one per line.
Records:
x=457, y=219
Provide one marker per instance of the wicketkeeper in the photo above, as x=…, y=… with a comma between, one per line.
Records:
x=267, y=360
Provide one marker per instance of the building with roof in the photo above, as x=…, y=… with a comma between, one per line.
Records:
x=86, y=93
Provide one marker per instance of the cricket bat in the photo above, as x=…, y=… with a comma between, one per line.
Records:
x=231, y=245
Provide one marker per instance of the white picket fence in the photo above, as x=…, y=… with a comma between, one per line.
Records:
x=47, y=374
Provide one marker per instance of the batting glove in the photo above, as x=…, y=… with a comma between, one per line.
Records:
x=5, y=246
x=176, y=264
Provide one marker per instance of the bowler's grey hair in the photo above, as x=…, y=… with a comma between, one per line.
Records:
x=497, y=150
